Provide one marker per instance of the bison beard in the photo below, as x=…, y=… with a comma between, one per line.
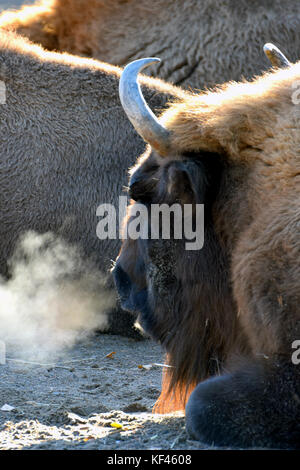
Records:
x=184, y=288
x=227, y=315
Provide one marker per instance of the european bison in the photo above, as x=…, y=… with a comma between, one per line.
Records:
x=201, y=42
x=228, y=314
x=65, y=147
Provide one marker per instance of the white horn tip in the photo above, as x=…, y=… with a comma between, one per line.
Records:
x=275, y=56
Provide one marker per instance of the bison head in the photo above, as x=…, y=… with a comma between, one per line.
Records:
x=183, y=297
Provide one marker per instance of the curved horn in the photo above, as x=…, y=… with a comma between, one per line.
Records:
x=143, y=119
x=275, y=56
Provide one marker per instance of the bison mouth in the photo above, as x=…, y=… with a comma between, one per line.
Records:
x=133, y=298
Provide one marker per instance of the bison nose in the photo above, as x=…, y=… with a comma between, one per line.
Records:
x=122, y=282
x=131, y=297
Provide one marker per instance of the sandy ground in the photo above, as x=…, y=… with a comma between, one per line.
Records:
x=86, y=400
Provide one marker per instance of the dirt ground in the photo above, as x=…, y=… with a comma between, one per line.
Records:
x=86, y=400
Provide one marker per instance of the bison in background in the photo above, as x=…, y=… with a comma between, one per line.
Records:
x=201, y=42
x=65, y=147
x=227, y=315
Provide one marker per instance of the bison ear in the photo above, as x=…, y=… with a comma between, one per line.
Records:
x=186, y=183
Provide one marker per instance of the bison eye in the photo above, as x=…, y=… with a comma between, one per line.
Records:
x=142, y=184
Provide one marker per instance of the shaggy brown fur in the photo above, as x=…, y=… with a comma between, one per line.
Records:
x=200, y=42
x=65, y=146
x=239, y=296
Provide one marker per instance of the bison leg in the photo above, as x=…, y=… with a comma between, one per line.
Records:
x=256, y=407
